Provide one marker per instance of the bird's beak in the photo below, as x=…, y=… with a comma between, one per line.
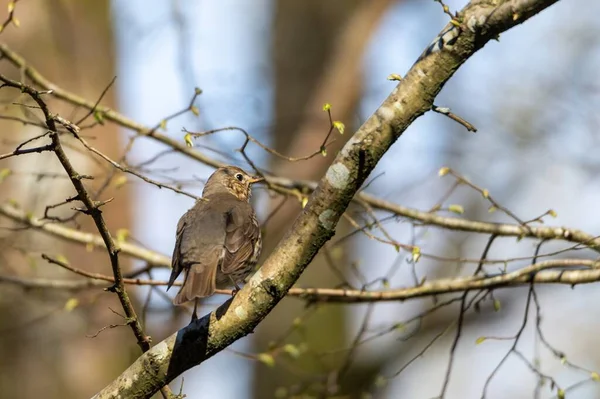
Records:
x=256, y=179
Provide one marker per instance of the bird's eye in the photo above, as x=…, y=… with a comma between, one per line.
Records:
x=239, y=176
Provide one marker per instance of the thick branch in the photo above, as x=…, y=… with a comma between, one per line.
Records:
x=412, y=97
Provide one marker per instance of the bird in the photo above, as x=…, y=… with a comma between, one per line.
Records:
x=218, y=240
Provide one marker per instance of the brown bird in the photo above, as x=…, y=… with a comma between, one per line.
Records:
x=218, y=240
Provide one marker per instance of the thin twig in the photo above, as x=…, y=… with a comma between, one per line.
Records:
x=454, y=117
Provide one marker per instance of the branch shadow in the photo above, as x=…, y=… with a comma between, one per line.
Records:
x=191, y=343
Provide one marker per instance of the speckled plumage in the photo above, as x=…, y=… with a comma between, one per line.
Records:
x=218, y=240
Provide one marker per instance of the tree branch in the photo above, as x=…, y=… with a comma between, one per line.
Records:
x=89, y=239
x=536, y=273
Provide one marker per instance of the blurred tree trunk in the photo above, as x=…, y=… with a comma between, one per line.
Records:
x=318, y=48
x=70, y=43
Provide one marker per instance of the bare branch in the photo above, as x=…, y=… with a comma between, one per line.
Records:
x=454, y=117
x=90, y=240
x=536, y=273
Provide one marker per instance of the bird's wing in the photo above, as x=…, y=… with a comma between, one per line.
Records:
x=198, y=251
x=200, y=279
x=176, y=266
x=241, y=233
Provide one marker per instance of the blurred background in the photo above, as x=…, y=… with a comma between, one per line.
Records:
x=268, y=66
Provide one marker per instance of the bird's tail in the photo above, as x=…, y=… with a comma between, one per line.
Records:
x=199, y=282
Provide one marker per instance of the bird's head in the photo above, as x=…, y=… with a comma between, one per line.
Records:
x=232, y=180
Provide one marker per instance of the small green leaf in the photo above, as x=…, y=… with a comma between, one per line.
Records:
x=485, y=193
x=4, y=173
x=497, y=305
x=595, y=376
x=394, y=76
x=99, y=117
x=400, y=327
x=188, y=140
x=563, y=360
x=267, y=359
x=552, y=213
x=416, y=253
x=297, y=322
x=455, y=208
x=292, y=351
x=480, y=340
x=386, y=283
x=339, y=126
x=560, y=394
x=323, y=151
x=195, y=110
x=519, y=238
x=71, y=304
x=163, y=124
x=492, y=209
x=443, y=171
x=122, y=235
x=326, y=107
x=120, y=181
x=304, y=201
x=197, y=91
x=16, y=22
